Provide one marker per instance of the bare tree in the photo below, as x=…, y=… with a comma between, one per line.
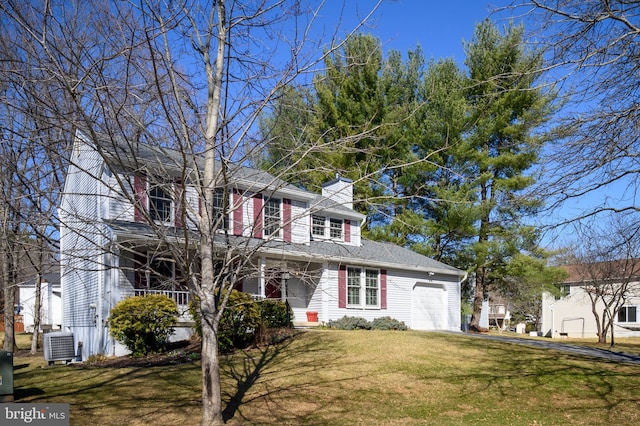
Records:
x=592, y=49
x=184, y=75
x=608, y=269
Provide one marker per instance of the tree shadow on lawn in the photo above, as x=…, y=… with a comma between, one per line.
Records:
x=588, y=383
x=280, y=369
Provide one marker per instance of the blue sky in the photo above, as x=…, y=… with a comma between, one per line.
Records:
x=438, y=26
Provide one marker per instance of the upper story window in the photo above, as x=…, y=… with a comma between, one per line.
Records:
x=318, y=226
x=272, y=217
x=160, y=203
x=335, y=229
x=627, y=314
x=363, y=287
x=219, y=209
x=563, y=291
x=323, y=227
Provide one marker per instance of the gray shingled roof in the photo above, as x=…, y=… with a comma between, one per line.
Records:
x=369, y=253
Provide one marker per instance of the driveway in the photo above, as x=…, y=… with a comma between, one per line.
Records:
x=605, y=354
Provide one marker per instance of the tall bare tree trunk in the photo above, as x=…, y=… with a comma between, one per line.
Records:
x=211, y=392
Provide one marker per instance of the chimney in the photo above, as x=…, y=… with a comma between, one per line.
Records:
x=340, y=190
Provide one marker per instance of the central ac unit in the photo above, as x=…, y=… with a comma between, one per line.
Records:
x=58, y=346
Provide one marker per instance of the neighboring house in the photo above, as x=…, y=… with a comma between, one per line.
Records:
x=50, y=303
x=570, y=314
x=309, y=247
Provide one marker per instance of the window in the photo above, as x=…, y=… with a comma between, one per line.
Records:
x=627, y=314
x=353, y=286
x=272, y=217
x=371, y=287
x=335, y=228
x=160, y=204
x=563, y=291
x=318, y=226
x=221, y=218
x=363, y=282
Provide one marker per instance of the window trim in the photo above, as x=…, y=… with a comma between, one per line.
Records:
x=327, y=227
x=318, y=226
x=219, y=208
x=166, y=189
x=270, y=217
x=363, y=289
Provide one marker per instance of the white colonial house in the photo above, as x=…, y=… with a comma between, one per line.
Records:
x=570, y=315
x=309, y=246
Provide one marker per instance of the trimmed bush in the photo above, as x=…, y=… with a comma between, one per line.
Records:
x=350, y=323
x=144, y=323
x=388, y=323
x=275, y=314
x=240, y=322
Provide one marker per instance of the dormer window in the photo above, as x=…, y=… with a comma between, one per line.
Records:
x=318, y=226
x=327, y=228
x=160, y=204
x=335, y=229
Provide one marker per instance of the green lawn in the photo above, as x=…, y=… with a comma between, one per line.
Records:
x=353, y=378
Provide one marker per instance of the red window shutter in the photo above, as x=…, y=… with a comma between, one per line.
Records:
x=237, y=212
x=177, y=204
x=238, y=285
x=347, y=230
x=257, y=215
x=140, y=194
x=383, y=289
x=342, y=286
x=286, y=215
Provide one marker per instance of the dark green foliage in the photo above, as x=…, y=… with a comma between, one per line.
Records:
x=244, y=318
x=144, y=323
x=275, y=313
x=240, y=322
x=388, y=323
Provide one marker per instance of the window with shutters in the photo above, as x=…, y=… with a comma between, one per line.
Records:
x=363, y=288
x=220, y=209
x=272, y=217
x=161, y=203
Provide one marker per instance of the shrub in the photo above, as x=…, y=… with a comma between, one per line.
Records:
x=275, y=314
x=387, y=323
x=239, y=324
x=144, y=323
x=350, y=323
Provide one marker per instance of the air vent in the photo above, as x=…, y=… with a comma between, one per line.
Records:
x=58, y=347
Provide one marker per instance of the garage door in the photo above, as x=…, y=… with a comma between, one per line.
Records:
x=429, y=307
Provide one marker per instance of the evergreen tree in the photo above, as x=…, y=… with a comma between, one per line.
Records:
x=502, y=141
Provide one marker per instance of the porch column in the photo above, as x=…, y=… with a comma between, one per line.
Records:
x=261, y=282
x=325, y=285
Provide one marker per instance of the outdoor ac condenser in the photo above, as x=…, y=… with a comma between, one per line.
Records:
x=58, y=346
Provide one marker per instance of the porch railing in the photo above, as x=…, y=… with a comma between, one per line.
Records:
x=180, y=297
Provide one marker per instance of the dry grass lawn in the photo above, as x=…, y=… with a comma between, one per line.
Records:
x=353, y=378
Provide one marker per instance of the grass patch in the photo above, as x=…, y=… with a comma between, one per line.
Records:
x=352, y=377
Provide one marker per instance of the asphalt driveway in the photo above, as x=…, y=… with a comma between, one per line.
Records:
x=604, y=354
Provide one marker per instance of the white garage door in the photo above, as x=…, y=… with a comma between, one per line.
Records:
x=429, y=307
